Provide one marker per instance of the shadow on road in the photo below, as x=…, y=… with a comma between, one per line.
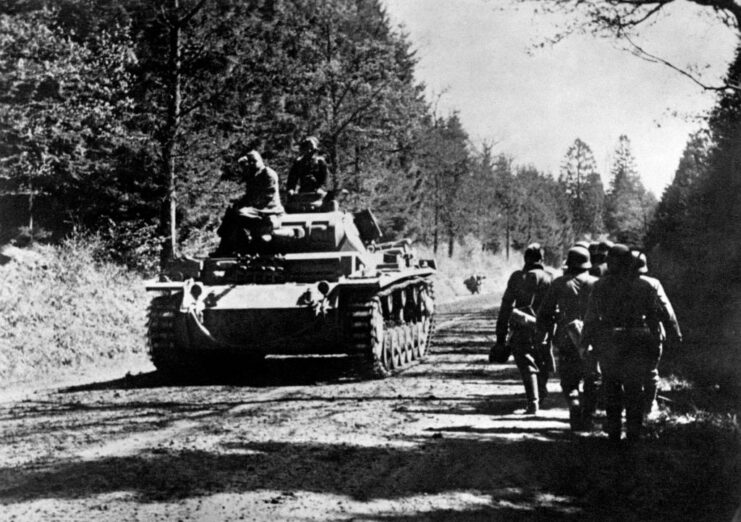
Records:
x=582, y=479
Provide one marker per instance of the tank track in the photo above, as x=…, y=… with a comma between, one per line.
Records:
x=161, y=336
x=176, y=363
x=393, y=329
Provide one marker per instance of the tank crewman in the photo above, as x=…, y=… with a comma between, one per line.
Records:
x=254, y=215
x=598, y=257
x=525, y=291
x=564, y=307
x=309, y=172
x=621, y=323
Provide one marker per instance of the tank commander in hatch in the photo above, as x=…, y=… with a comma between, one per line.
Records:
x=253, y=216
x=309, y=172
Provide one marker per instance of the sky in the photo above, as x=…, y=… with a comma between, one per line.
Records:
x=482, y=58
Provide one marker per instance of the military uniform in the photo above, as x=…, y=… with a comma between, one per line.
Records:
x=525, y=291
x=253, y=215
x=623, y=323
x=308, y=174
x=564, y=307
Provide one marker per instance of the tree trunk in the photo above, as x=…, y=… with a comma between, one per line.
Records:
x=168, y=224
x=507, y=240
x=434, y=230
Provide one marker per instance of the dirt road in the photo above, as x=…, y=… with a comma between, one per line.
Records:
x=307, y=440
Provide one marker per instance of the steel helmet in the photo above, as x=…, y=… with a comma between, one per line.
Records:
x=640, y=262
x=533, y=253
x=577, y=258
x=619, y=260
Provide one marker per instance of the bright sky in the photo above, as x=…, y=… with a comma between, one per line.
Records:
x=480, y=58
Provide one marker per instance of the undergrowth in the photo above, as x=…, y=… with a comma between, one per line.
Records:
x=61, y=308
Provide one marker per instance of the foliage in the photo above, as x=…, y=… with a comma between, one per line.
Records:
x=583, y=187
x=629, y=206
x=168, y=97
x=53, y=301
x=65, y=110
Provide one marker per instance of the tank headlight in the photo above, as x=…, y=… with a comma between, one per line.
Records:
x=323, y=287
x=196, y=291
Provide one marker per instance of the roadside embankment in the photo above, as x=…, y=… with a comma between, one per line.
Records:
x=61, y=310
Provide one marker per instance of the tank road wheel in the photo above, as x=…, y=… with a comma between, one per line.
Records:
x=398, y=357
x=367, y=335
x=402, y=340
x=388, y=350
x=424, y=336
x=416, y=351
x=408, y=343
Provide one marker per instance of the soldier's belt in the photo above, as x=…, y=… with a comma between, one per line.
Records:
x=635, y=330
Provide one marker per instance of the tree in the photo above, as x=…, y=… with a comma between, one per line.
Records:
x=674, y=222
x=628, y=205
x=445, y=162
x=65, y=114
x=583, y=186
x=540, y=215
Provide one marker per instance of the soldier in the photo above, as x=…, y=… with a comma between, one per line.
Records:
x=651, y=378
x=621, y=322
x=598, y=253
x=309, y=172
x=564, y=307
x=254, y=215
x=525, y=291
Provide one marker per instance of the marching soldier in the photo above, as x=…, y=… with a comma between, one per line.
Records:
x=651, y=378
x=524, y=294
x=623, y=324
x=564, y=307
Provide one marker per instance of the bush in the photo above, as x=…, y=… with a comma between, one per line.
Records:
x=61, y=307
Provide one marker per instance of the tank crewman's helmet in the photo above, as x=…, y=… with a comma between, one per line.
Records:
x=577, y=258
x=533, y=253
x=310, y=143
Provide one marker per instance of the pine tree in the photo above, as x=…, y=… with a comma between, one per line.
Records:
x=629, y=206
x=583, y=186
x=675, y=221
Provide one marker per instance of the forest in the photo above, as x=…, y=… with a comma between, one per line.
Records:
x=125, y=118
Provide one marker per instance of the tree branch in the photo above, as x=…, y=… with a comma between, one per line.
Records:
x=645, y=55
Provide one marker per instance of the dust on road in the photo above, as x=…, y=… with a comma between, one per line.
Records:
x=304, y=440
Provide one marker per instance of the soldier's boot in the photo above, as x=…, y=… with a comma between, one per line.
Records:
x=575, y=413
x=634, y=421
x=543, y=386
x=589, y=407
x=613, y=422
x=532, y=394
x=650, y=393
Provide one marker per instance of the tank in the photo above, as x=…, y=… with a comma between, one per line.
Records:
x=321, y=284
